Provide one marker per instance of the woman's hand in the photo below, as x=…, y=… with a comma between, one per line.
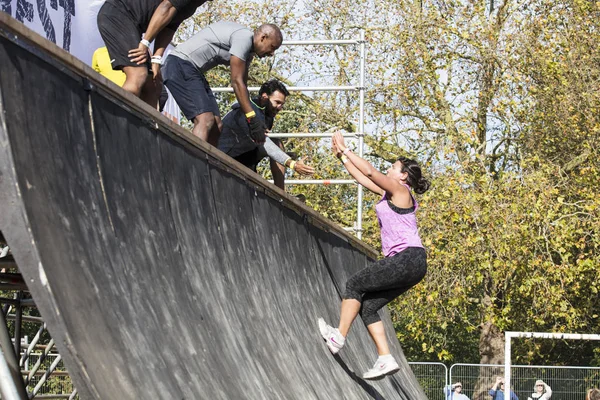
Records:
x=335, y=149
x=338, y=140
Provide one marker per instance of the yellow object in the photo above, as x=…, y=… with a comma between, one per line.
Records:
x=344, y=159
x=101, y=63
x=251, y=114
x=292, y=164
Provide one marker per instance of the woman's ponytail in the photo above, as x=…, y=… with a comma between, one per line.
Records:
x=415, y=179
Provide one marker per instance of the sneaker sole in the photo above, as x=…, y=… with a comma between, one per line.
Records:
x=383, y=375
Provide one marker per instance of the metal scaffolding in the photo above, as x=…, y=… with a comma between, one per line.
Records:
x=360, y=88
x=17, y=380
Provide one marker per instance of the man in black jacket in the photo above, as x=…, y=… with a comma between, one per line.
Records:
x=237, y=142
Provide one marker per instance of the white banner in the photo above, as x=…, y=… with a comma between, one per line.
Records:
x=70, y=24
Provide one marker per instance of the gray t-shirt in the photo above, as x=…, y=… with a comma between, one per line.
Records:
x=215, y=44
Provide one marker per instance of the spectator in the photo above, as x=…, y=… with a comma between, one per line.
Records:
x=497, y=391
x=454, y=392
x=541, y=391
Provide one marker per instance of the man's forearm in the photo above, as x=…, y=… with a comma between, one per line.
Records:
x=275, y=153
x=162, y=41
x=163, y=14
x=241, y=93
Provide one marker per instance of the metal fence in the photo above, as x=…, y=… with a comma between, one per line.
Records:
x=58, y=383
x=567, y=383
x=432, y=377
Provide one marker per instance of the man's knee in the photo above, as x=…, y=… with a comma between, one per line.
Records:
x=205, y=121
x=136, y=76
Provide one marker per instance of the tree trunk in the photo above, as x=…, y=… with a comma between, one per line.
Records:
x=491, y=350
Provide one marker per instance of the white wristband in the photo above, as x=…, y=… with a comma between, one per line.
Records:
x=156, y=60
x=145, y=42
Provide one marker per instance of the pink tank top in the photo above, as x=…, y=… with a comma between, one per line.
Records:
x=398, y=231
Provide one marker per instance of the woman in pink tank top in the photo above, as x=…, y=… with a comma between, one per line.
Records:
x=405, y=262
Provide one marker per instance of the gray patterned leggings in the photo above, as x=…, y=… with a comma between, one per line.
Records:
x=384, y=280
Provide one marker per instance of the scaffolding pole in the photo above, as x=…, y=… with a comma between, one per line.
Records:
x=318, y=42
x=309, y=135
x=12, y=386
x=361, y=130
x=361, y=118
x=296, y=89
x=324, y=182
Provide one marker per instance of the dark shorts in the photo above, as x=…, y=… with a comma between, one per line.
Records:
x=120, y=34
x=250, y=159
x=189, y=87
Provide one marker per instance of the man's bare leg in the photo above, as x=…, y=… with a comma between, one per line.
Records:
x=151, y=91
x=215, y=132
x=135, y=79
x=203, y=123
x=278, y=172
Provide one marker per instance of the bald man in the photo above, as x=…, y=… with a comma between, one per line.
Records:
x=221, y=43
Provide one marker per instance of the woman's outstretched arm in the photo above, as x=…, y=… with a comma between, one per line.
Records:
x=354, y=171
x=376, y=178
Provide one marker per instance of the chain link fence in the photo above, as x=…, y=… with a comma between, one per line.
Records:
x=432, y=377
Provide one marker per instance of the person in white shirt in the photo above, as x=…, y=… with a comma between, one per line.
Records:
x=541, y=391
x=454, y=392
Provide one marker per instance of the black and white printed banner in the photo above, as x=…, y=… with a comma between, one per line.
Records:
x=71, y=24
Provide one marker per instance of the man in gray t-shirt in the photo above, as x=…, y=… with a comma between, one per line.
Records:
x=221, y=43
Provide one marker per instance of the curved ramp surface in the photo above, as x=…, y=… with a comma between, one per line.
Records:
x=162, y=267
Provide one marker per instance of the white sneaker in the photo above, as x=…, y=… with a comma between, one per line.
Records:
x=333, y=338
x=4, y=251
x=381, y=369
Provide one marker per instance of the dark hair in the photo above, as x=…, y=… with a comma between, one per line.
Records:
x=271, y=86
x=415, y=179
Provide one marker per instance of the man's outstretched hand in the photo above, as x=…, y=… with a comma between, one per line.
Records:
x=302, y=168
